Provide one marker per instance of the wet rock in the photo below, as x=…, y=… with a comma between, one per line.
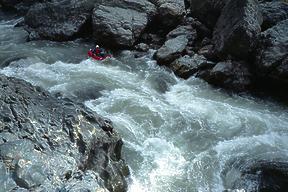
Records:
x=237, y=28
x=273, y=12
x=52, y=144
x=207, y=11
x=272, y=56
x=171, y=50
x=50, y=21
x=263, y=176
x=187, y=66
x=120, y=23
x=234, y=75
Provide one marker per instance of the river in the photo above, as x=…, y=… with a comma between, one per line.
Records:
x=179, y=135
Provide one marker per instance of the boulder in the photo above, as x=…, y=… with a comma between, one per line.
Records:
x=59, y=20
x=272, y=56
x=187, y=66
x=49, y=144
x=170, y=13
x=233, y=75
x=207, y=11
x=120, y=23
x=262, y=176
x=171, y=50
x=273, y=13
x=237, y=29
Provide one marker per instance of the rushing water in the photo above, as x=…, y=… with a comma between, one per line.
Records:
x=179, y=135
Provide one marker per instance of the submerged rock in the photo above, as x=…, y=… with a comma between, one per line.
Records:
x=55, y=145
x=263, y=176
x=237, y=28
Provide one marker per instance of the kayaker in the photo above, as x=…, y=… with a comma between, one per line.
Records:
x=100, y=52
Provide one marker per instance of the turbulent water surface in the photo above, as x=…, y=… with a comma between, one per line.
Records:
x=179, y=135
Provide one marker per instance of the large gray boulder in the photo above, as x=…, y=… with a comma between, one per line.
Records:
x=207, y=11
x=272, y=57
x=59, y=20
x=237, y=28
x=49, y=144
x=120, y=23
x=273, y=12
x=171, y=50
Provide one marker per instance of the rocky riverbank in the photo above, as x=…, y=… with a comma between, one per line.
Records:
x=244, y=43
x=55, y=145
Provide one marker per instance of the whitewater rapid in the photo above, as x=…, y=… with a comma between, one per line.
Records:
x=179, y=135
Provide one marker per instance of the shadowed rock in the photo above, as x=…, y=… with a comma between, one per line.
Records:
x=272, y=57
x=187, y=66
x=273, y=13
x=50, y=144
x=120, y=23
x=233, y=75
x=237, y=28
x=207, y=11
x=59, y=20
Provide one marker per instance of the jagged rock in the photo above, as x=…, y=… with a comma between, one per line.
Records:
x=51, y=144
x=233, y=75
x=170, y=13
x=272, y=57
x=273, y=12
x=59, y=20
x=171, y=50
x=187, y=66
x=207, y=11
x=237, y=28
x=120, y=23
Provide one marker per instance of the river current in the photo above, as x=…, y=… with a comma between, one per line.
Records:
x=179, y=135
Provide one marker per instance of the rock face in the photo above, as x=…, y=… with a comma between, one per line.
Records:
x=121, y=22
x=207, y=11
x=273, y=12
x=171, y=50
x=187, y=66
x=170, y=13
x=272, y=57
x=237, y=28
x=59, y=20
x=230, y=74
x=54, y=145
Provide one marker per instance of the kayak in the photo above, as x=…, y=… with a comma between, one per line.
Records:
x=98, y=58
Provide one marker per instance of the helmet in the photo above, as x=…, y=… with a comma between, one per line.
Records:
x=97, y=46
